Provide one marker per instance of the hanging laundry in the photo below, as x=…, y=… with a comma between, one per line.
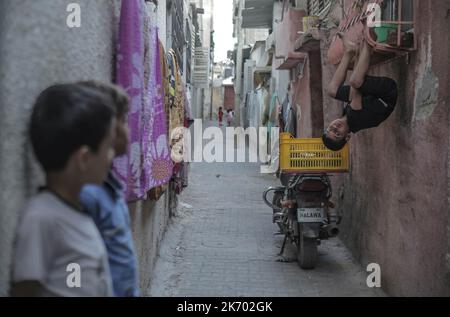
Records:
x=270, y=118
x=188, y=120
x=148, y=164
x=166, y=85
x=176, y=98
x=287, y=116
x=130, y=75
x=188, y=117
x=158, y=166
x=156, y=193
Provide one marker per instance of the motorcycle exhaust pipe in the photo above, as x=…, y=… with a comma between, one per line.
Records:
x=332, y=231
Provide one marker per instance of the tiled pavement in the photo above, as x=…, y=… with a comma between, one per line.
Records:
x=222, y=243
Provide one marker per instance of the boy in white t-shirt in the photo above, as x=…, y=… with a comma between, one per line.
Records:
x=58, y=250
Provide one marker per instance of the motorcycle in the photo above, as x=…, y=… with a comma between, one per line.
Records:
x=304, y=214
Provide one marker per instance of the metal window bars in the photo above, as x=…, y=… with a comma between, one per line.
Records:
x=393, y=13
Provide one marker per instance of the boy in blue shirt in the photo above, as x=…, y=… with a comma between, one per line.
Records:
x=108, y=207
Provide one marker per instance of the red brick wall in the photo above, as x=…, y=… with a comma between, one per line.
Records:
x=229, y=97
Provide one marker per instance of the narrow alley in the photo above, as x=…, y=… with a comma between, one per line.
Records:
x=107, y=191
x=222, y=243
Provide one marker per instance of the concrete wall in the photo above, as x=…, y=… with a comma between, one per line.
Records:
x=229, y=97
x=37, y=49
x=287, y=33
x=306, y=89
x=394, y=199
x=448, y=224
x=149, y=222
x=307, y=98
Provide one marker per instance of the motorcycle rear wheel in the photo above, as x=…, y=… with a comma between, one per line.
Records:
x=307, y=253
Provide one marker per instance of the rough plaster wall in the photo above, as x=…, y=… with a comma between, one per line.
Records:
x=149, y=222
x=448, y=224
x=37, y=49
x=427, y=83
x=395, y=198
x=316, y=94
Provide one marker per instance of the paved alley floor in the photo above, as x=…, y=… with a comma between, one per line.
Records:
x=222, y=243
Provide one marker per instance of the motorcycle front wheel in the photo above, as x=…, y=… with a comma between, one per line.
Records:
x=307, y=253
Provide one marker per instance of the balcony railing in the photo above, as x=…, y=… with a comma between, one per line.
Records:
x=317, y=7
x=389, y=28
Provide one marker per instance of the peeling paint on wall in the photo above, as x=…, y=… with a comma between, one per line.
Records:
x=427, y=96
x=427, y=85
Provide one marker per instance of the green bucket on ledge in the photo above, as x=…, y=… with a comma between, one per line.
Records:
x=383, y=31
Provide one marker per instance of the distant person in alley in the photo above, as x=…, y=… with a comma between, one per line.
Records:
x=220, y=115
x=369, y=100
x=58, y=248
x=230, y=117
x=107, y=206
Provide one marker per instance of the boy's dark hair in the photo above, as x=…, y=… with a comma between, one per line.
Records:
x=65, y=118
x=116, y=93
x=333, y=145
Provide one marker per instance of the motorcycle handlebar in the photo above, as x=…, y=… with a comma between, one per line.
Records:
x=280, y=189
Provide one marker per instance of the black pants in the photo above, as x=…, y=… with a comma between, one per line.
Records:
x=380, y=87
x=373, y=87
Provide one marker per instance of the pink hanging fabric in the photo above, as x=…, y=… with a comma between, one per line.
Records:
x=159, y=165
x=147, y=164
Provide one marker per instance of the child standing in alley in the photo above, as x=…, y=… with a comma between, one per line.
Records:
x=58, y=250
x=220, y=116
x=107, y=206
x=230, y=117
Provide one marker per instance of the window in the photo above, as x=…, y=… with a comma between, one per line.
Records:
x=390, y=9
x=397, y=25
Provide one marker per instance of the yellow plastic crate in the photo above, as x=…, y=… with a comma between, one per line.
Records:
x=311, y=156
x=310, y=22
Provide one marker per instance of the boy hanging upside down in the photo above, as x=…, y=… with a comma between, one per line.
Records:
x=369, y=100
